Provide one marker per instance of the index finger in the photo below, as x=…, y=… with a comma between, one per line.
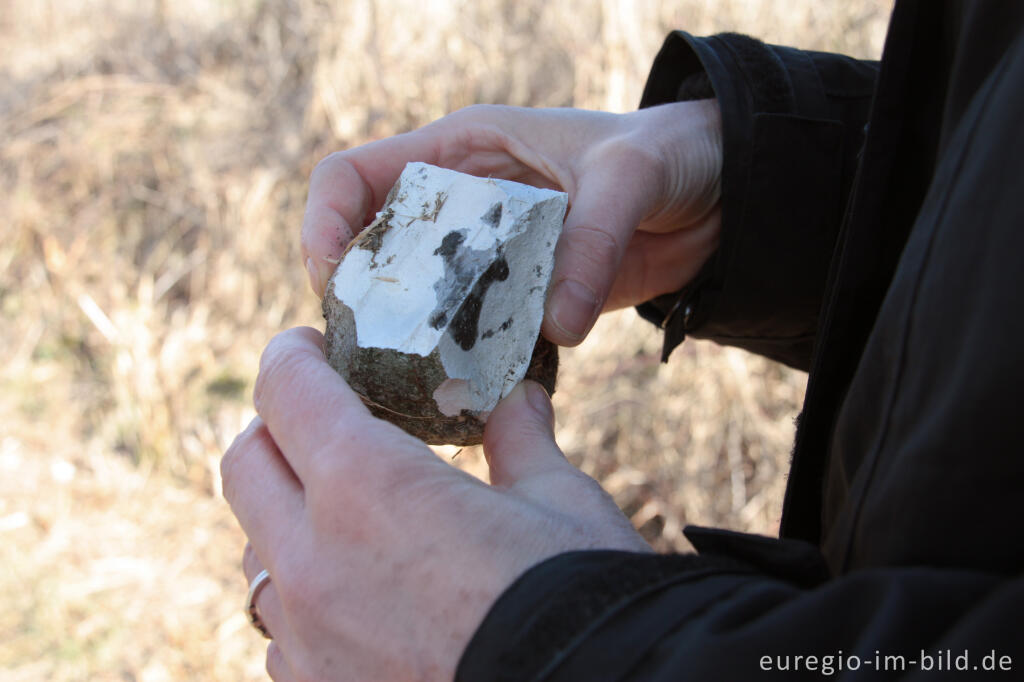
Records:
x=344, y=189
x=301, y=398
x=318, y=422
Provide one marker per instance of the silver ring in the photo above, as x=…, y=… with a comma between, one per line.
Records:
x=251, y=610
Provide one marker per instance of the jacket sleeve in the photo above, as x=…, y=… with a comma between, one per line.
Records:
x=745, y=608
x=793, y=123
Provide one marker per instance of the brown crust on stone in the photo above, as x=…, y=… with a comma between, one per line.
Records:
x=409, y=384
x=544, y=364
x=466, y=429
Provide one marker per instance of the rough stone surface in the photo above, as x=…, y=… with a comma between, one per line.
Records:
x=434, y=312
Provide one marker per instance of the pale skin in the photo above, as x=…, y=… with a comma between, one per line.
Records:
x=383, y=558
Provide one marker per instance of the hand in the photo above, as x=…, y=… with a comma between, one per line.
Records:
x=644, y=190
x=383, y=558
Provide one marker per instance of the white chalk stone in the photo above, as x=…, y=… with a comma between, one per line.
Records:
x=435, y=309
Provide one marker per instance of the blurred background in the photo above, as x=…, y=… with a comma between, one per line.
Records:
x=153, y=166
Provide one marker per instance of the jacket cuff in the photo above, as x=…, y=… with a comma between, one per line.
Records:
x=782, y=189
x=543, y=619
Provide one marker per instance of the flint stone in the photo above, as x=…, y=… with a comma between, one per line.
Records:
x=434, y=313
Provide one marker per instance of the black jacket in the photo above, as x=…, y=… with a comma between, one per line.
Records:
x=873, y=233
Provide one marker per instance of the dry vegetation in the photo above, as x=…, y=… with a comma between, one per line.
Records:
x=153, y=159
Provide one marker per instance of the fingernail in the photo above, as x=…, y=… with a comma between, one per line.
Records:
x=247, y=432
x=314, y=277
x=574, y=308
x=539, y=400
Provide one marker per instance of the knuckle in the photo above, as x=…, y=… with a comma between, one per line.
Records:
x=471, y=124
x=233, y=462
x=277, y=667
x=595, y=244
x=632, y=153
x=229, y=466
x=277, y=363
x=479, y=111
x=328, y=163
x=640, y=163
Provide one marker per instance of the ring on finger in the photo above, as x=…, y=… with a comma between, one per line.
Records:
x=253, y=611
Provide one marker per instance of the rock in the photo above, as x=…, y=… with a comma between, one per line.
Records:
x=434, y=312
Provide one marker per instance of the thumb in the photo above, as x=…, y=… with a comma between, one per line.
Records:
x=614, y=196
x=519, y=439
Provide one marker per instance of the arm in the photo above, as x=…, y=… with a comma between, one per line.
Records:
x=618, y=616
x=952, y=585
x=792, y=126
x=384, y=561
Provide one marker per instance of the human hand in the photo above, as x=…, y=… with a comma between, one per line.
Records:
x=383, y=558
x=643, y=190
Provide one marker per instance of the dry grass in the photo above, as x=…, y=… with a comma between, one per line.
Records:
x=153, y=159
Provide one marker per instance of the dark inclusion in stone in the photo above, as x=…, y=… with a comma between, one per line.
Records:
x=504, y=327
x=493, y=215
x=459, y=266
x=450, y=246
x=456, y=273
x=464, y=326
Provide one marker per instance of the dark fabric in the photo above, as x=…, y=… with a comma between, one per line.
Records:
x=889, y=264
x=790, y=145
x=611, y=583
